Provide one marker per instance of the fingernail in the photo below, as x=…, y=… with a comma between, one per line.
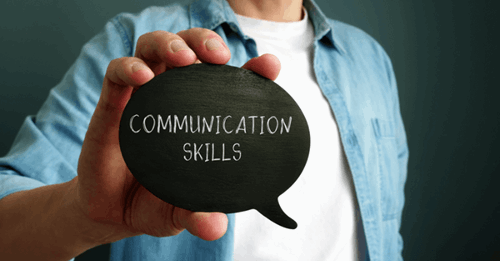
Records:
x=213, y=44
x=138, y=66
x=177, y=45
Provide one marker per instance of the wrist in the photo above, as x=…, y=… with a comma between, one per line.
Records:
x=48, y=220
x=92, y=232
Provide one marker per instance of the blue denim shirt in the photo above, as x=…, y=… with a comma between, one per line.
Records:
x=351, y=68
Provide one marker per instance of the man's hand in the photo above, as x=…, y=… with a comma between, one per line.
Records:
x=106, y=192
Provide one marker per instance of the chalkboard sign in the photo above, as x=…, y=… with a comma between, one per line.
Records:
x=215, y=138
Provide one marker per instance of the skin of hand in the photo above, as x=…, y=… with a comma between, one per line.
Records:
x=105, y=191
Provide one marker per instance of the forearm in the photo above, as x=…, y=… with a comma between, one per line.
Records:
x=46, y=224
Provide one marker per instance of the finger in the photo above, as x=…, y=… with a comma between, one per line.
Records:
x=122, y=76
x=163, y=50
x=100, y=148
x=207, y=226
x=127, y=71
x=208, y=45
x=267, y=65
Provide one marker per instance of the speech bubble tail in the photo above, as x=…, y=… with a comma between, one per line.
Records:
x=274, y=213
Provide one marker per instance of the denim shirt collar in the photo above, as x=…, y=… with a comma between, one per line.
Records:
x=213, y=13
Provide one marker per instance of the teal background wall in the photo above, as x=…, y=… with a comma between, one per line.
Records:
x=446, y=60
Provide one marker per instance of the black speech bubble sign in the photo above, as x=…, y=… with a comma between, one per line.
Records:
x=215, y=138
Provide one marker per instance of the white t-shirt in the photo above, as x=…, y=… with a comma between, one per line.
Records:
x=322, y=201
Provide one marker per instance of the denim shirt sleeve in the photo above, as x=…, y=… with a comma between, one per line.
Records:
x=48, y=145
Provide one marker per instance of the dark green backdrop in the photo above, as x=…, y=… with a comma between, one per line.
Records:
x=446, y=60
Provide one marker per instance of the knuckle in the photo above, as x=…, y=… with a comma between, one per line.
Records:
x=117, y=69
x=117, y=63
x=156, y=34
x=154, y=44
x=161, y=35
x=150, y=39
x=198, y=32
x=125, y=61
x=175, y=223
x=112, y=65
x=144, y=38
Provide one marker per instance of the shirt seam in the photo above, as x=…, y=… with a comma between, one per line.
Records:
x=123, y=34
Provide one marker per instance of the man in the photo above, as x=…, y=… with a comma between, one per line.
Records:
x=356, y=169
